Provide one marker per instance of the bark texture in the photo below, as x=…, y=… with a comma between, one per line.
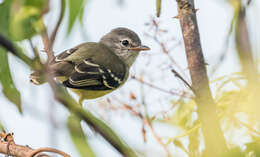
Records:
x=213, y=137
x=17, y=150
x=243, y=47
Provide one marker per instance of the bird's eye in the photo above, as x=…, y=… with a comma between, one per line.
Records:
x=125, y=42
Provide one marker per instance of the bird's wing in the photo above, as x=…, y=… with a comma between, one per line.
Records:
x=60, y=67
x=87, y=68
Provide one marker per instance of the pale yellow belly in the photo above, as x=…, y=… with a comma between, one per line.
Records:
x=90, y=94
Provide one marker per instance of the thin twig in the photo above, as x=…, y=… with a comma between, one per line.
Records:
x=54, y=33
x=47, y=48
x=47, y=149
x=35, y=51
x=249, y=2
x=182, y=79
x=157, y=30
x=7, y=44
x=161, y=89
x=158, y=139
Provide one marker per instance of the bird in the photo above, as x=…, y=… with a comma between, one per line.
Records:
x=94, y=69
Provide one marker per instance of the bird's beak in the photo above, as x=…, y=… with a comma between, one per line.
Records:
x=140, y=48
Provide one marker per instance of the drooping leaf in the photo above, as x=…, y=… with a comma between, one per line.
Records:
x=8, y=86
x=78, y=137
x=4, y=17
x=179, y=144
x=75, y=10
x=81, y=13
x=158, y=7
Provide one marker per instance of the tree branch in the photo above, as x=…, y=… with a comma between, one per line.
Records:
x=16, y=150
x=243, y=47
x=8, y=147
x=9, y=46
x=214, y=139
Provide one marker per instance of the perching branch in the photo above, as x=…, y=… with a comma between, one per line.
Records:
x=214, y=139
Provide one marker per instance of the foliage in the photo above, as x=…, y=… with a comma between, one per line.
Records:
x=76, y=11
x=23, y=19
x=8, y=86
x=78, y=136
x=237, y=109
x=158, y=7
x=9, y=89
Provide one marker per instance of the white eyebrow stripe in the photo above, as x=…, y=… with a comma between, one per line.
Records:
x=91, y=64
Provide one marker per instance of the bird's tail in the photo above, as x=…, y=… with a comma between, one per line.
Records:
x=36, y=78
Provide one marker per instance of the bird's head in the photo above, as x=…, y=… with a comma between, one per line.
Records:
x=125, y=43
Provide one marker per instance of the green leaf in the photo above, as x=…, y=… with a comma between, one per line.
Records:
x=81, y=15
x=4, y=17
x=25, y=22
x=8, y=86
x=78, y=137
x=75, y=9
x=158, y=7
x=40, y=4
x=179, y=144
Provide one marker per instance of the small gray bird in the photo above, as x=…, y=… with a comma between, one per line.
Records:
x=94, y=69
